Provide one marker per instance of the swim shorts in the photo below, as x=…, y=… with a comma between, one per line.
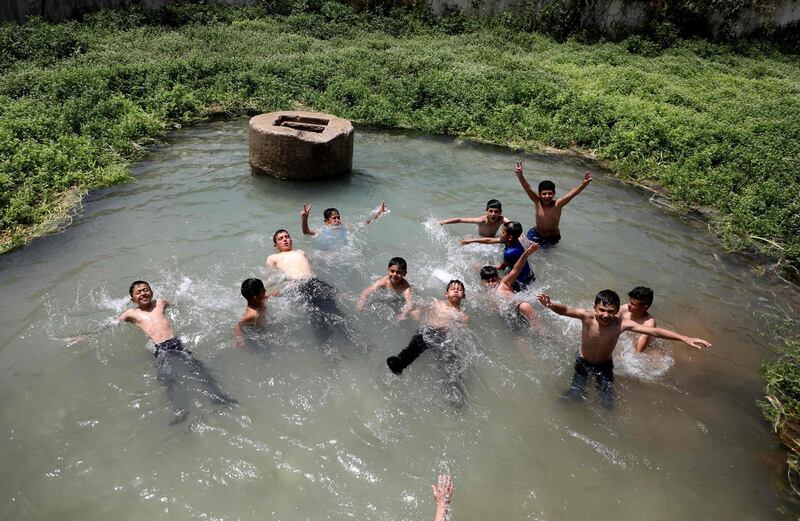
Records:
x=173, y=344
x=534, y=236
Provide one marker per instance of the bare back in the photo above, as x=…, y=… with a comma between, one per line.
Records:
x=152, y=321
x=294, y=264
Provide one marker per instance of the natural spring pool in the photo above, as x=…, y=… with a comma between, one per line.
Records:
x=333, y=434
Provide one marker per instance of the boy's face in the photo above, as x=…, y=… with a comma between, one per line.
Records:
x=547, y=197
x=334, y=220
x=396, y=275
x=637, y=307
x=455, y=293
x=283, y=242
x=142, y=295
x=605, y=313
x=504, y=235
x=491, y=283
x=494, y=214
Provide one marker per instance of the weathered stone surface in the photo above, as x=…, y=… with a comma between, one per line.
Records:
x=301, y=146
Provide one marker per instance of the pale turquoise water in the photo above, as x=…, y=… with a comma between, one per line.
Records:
x=332, y=434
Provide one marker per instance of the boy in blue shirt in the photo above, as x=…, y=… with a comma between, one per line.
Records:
x=509, y=236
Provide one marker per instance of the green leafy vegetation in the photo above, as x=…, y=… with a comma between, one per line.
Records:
x=716, y=125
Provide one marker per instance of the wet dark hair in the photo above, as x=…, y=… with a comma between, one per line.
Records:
x=455, y=282
x=513, y=228
x=642, y=293
x=489, y=272
x=275, y=235
x=327, y=212
x=400, y=262
x=251, y=288
x=136, y=283
x=547, y=185
x=607, y=297
x=494, y=203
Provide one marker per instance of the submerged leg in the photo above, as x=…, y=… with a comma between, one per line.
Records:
x=199, y=371
x=605, y=384
x=577, y=388
x=326, y=317
x=176, y=392
x=415, y=347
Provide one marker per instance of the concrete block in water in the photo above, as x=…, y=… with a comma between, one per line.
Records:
x=301, y=146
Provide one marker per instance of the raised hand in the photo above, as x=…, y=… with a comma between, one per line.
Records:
x=532, y=248
x=518, y=168
x=544, y=299
x=587, y=177
x=443, y=490
x=306, y=211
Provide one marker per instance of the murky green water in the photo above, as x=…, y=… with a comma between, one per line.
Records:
x=332, y=434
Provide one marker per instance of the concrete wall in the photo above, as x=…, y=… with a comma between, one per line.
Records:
x=612, y=14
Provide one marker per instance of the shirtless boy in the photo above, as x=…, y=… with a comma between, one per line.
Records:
x=548, y=208
x=319, y=295
x=640, y=299
x=487, y=224
x=503, y=288
x=333, y=221
x=255, y=294
x=599, y=334
x=510, y=235
x=394, y=280
x=172, y=358
x=438, y=319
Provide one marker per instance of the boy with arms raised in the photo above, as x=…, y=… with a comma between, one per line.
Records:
x=487, y=224
x=510, y=235
x=333, y=221
x=640, y=299
x=548, y=208
x=394, y=281
x=175, y=362
x=601, y=328
x=503, y=288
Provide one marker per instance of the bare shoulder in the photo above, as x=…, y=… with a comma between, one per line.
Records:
x=127, y=315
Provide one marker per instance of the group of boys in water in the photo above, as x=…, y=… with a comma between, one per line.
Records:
x=601, y=326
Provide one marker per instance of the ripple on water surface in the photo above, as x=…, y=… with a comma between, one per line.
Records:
x=323, y=429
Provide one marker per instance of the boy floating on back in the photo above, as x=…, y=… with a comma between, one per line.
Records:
x=548, y=208
x=488, y=224
x=175, y=362
x=601, y=328
x=332, y=219
x=394, y=280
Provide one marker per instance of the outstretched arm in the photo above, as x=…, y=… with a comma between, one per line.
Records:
x=304, y=220
x=442, y=492
x=561, y=309
x=462, y=220
x=697, y=343
x=512, y=275
x=481, y=240
x=111, y=322
x=587, y=178
x=525, y=185
x=377, y=212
